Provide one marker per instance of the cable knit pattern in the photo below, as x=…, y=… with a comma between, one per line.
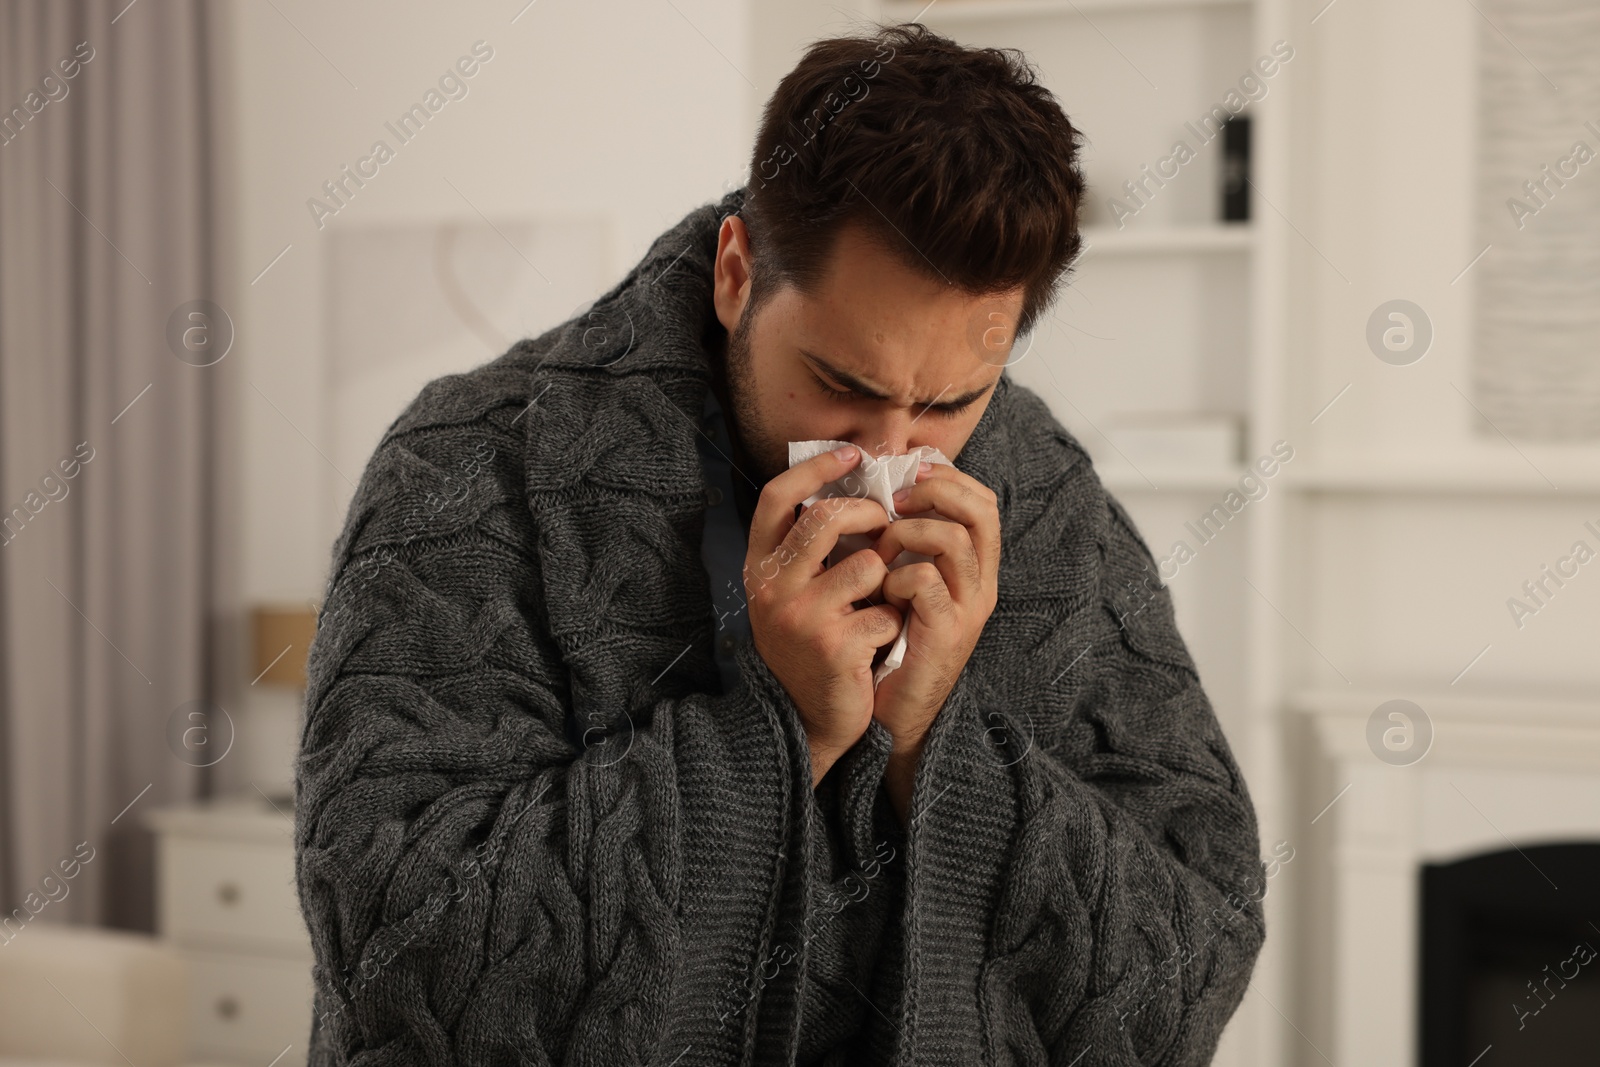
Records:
x=531, y=829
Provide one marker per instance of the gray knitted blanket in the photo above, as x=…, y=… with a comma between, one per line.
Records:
x=532, y=829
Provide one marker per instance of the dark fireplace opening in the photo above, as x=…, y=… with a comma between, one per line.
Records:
x=1510, y=960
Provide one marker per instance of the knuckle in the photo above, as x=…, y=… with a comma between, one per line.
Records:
x=886, y=622
x=864, y=511
x=826, y=512
x=814, y=519
x=866, y=624
x=844, y=507
x=867, y=566
x=911, y=529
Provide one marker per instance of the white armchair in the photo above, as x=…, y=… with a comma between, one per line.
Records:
x=74, y=995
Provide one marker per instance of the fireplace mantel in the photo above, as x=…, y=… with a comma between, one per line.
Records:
x=1502, y=771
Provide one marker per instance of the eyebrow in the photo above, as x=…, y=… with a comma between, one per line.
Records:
x=856, y=385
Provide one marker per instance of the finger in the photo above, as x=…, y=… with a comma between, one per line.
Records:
x=799, y=557
x=958, y=496
x=878, y=625
x=856, y=577
x=774, y=513
x=948, y=543
x=922, y=587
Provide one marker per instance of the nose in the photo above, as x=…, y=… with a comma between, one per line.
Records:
x=888, y=433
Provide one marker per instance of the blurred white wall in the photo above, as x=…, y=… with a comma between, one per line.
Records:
x=554, y=124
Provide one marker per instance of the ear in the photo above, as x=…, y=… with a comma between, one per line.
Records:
x=730, y=279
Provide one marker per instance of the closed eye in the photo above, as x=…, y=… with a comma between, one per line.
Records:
x=943, y=410
x=828, y=390
x=950, y=412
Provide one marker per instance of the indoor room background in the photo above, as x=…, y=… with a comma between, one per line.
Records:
x=1334, y=341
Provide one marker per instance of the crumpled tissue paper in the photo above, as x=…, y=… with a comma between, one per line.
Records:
x=875, y=478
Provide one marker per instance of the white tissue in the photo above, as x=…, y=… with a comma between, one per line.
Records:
x=875, y=478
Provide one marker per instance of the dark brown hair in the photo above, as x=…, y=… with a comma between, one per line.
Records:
x=953, y=158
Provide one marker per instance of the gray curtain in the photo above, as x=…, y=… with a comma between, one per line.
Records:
x=114, y=562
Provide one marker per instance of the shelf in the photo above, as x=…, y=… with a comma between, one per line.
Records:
x=1498, y=726
x=1122, y=478
x=1153, y=240
x=953, y=11
x=1567, y=476
x=1549, y=475
x=1491, y=703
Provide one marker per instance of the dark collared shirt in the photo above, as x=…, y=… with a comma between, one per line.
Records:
x=723, y=547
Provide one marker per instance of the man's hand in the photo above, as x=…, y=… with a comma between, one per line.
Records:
x=946, y=602
x=802, y=613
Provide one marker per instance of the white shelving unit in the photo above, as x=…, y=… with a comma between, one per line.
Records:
x=1378, y=563
x=1178, y=312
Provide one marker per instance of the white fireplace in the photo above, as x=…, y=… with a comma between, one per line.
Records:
x=1501, y=772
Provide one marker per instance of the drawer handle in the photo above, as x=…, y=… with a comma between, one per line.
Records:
x=227, y=1007
x=228, y=893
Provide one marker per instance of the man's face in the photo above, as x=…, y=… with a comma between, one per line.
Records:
x=880, y=356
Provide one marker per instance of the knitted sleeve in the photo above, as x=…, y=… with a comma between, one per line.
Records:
x=478, y=888
x=1084, y=848
x=852, y=979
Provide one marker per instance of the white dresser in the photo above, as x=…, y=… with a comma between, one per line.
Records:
x=226, y=900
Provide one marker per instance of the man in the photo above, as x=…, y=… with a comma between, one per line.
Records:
x=594, y=770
